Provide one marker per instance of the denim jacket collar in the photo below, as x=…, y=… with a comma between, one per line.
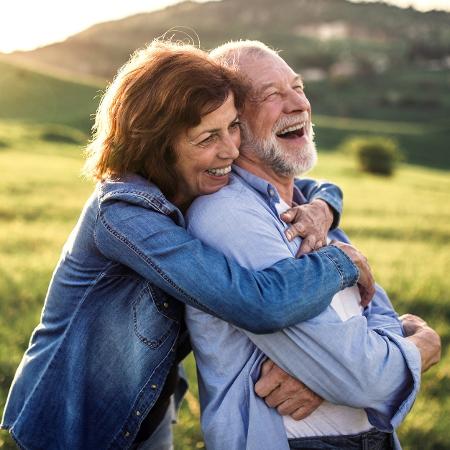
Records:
x=136, y=190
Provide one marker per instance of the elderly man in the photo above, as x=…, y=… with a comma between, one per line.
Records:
x=358, y=361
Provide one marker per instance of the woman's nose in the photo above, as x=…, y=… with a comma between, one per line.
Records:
x=230, y=147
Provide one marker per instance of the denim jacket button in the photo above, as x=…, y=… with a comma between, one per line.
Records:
x=138, y=413
x=154, y=386
x=126, y=434
x=166, y=305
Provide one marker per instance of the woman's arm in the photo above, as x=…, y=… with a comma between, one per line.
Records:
x=288, y=292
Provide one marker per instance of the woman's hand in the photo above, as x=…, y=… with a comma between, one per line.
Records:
x=288, y=395
x=312, y=222
x=366, y=281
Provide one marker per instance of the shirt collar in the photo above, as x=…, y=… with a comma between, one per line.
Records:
x=267, y=190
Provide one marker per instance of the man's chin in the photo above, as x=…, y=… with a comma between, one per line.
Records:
x=301, y=161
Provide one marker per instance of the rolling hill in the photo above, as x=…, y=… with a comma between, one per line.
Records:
x=370, y=68
x=34, y=97
x=312, y=33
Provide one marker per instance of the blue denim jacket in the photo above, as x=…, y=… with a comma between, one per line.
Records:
x=110, y=326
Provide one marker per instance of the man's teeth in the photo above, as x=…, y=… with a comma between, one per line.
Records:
x=292, y=128
x=219, y=172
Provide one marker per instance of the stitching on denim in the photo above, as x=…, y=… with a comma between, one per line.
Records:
x=152, y=343
x=16, y=439
x=155, y=201
x=338, y=268
x=157, y=269
x=345, y=279
x=119, y=437
x=51, y=363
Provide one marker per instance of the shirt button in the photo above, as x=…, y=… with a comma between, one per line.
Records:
x=154, y=386
x=138, y=413
x=271, y=192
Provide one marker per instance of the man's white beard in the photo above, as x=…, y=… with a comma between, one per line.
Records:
x=271, y=152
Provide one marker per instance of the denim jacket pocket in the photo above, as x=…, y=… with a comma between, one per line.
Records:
x=153, y=318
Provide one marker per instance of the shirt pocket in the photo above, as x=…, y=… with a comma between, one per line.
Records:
x=155, y=316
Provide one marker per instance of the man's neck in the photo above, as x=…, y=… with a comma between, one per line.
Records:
x=283, y=184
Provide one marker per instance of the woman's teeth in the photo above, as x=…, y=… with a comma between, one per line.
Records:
x=219, y=172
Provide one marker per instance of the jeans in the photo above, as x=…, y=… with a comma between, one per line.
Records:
x=370, y=440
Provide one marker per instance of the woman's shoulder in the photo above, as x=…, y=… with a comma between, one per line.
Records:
x=134, y=190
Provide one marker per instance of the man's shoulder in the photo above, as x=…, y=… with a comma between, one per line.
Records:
x=234, y=196
x=225, y=210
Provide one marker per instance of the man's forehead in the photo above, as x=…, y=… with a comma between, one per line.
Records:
x=267, y=71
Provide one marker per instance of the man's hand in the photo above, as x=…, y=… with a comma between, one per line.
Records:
x=290, y=396
x=312, y=222
x=366, y=282
x=424, y=337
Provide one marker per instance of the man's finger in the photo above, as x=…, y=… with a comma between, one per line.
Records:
x=280, y=395
x=304, y=411
x=266, y=367
x=289, y=215
x=269, y=382
x=308, y=245
x=297, y=229
x=288, y=407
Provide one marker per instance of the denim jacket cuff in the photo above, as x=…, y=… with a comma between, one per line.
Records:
x=348, y=271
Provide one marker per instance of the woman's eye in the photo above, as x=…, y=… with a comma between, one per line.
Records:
x=235, y=125
x=208, y=141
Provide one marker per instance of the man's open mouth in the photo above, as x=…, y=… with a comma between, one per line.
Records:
x=292, y=132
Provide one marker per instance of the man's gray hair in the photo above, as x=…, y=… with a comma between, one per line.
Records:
x=231, y=53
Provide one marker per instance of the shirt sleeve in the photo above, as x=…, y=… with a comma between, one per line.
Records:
x=151, y=244
x=344, y=362
x=323, y=190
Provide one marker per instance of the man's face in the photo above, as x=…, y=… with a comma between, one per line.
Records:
x=277, y=117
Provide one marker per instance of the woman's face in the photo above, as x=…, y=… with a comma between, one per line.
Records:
x=205, y=153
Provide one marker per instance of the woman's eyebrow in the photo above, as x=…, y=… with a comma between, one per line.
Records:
x=215, y=130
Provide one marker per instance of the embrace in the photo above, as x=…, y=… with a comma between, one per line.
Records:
x=196, y=203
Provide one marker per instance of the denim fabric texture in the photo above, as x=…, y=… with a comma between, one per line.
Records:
x=109, y=330
x=363, y=362
x=372, y=440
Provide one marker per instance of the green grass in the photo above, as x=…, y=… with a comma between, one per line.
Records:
x=400, y=223
x=411, y=107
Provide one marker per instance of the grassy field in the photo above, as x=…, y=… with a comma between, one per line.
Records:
x=401, y=223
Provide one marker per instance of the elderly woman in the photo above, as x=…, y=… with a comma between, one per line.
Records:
x=102, y=364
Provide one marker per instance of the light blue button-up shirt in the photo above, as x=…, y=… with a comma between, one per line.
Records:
x=362, y=362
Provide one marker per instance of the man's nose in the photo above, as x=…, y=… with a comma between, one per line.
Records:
x=298, y=101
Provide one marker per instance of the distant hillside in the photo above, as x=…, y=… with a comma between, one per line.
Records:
x=311, y=33
x=31, y=96
x=370, y=68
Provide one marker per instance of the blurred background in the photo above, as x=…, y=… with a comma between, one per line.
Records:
x=378, y=78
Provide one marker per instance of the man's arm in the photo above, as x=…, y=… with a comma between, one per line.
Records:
x=344, y=362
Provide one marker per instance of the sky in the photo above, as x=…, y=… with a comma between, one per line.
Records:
x=27, y=24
